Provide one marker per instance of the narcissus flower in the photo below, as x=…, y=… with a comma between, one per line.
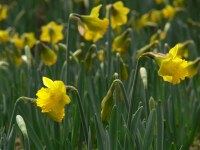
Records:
x=173, y=69
x=3, y=12
x=91, y=27
x=118, y=14
x=17, y=41
x=25, y=39
x=28, y=39
x=4, y=36
x=52, y=33
x=53, y=99
x=122, y=42
x=48, y=56
x=168, y=12
x=181, y=49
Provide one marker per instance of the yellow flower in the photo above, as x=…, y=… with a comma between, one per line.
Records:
x=48, y=56
x=91, y=27
x=173, y=69
x=4, y=36
x=53, y=99
x=141, y=22
x=3, y=12
x=155, y=16
x=29, y=39
x=168, y=12
x=118, y=14
x=51, y=33
x=122, y=42
x=193, y=67
x=181, y=49
x=17, y=41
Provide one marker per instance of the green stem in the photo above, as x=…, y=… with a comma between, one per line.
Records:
x=130, y=112
x=23, y=98
x=133, y=93
x=67, y=48
x=85, y=130
x=109, y=43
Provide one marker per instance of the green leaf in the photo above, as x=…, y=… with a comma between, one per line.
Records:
x=148, y=137
x=113, y=128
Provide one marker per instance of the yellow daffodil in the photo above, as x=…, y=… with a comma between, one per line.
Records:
x=141, y=22
x=17, y=41
x=118, y=14
x=52, y=33
x=155, y=16
x=4, y=36
x=91, y=27
x=3, y=12
x=53, y=99
x=168, y=12
x=173, y=70
x=48, y=56
x=193, y=67
x=181, y=49
x=122, y=42
x=29, y=39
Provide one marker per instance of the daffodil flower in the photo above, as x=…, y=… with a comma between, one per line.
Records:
x=52, y=33
x=118, y=14
x=3, y=12
x=172, y=69
x=4, y=36
x=28, y=39
x=168, y=12
x=52, y=99
x=91, y=27
x=122, y=42
x=48, y=56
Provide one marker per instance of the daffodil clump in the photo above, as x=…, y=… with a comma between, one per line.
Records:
x=91, y=27
x=52, y=99
x=52, y=33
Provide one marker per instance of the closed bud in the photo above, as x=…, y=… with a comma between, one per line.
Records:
x=143, y=74
x=152, y=103
x=22, y=125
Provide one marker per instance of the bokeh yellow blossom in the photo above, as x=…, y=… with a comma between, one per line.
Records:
x=122, y=42
x=17, y=41
x=53, y=99
x=3, y=12
x=168, y=12
x=51, y=33
x=48, y=56
x=28, y=39
x=4, y=36
x=118, y=14
x=91, y=27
